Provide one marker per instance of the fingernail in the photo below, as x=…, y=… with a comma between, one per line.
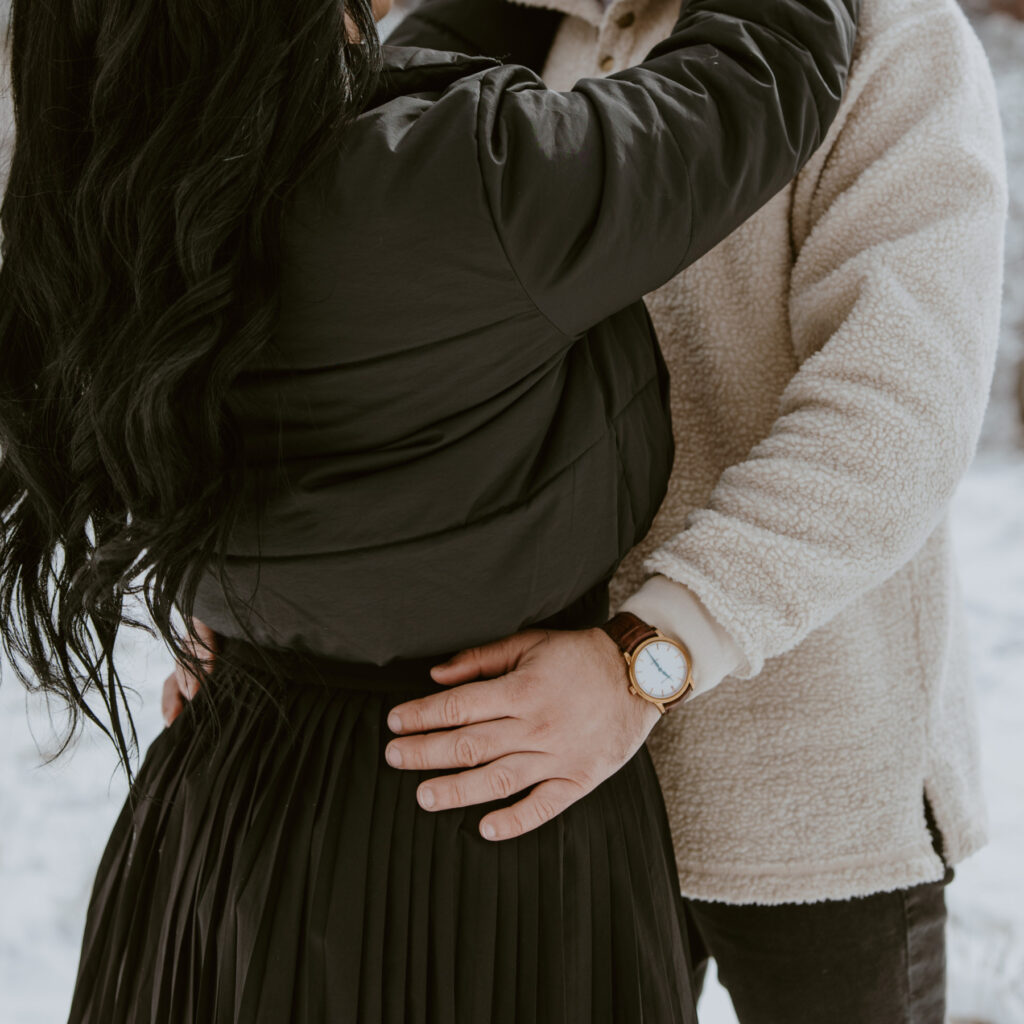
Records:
x=394, y=722
x=427, y=797
x=394, y=756
x=488, y=830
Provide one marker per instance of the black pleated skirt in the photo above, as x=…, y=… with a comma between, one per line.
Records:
x=285, y=874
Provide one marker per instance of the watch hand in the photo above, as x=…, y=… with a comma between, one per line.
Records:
x=659, y=668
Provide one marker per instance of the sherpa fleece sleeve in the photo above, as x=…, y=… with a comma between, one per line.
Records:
x=604, y=192
x=894, y=308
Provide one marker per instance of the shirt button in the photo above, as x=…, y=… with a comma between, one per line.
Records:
x=626, y=20
x=607, y=62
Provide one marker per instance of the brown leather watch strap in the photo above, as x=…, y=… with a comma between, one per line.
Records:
x=628, y=630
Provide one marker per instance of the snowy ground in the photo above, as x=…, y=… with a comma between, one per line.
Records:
x=55, y=819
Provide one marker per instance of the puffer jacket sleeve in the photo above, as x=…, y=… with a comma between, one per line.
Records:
x=603, y=193
x=894, y=310
x=510, y=32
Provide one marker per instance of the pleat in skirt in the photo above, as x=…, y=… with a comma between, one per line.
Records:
x=263, y=873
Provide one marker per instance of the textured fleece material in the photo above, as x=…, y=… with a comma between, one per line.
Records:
x=830, y=362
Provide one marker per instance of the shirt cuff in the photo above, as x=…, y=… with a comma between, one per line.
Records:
x=674, y=609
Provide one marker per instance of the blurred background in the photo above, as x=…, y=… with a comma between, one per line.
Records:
x=54, y=820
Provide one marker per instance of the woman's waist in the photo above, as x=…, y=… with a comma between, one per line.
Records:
x=328, y=663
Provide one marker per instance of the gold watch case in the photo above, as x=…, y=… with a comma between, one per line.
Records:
x=662, y=703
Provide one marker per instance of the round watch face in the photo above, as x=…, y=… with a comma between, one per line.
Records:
x=660, y=669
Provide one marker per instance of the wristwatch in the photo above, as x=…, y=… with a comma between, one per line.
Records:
x=660, y=668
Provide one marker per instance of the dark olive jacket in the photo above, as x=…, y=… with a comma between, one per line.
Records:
x=465, y=394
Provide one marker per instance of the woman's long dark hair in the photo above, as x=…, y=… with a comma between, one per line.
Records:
x=155, y=143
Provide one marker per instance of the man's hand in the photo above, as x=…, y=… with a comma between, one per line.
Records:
x=559, y=717
x=181, y=684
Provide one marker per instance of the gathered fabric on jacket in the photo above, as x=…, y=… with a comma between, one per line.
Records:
x=830, y=365
x=463, y=423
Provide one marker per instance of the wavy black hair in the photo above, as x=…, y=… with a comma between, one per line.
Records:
x=155, y=144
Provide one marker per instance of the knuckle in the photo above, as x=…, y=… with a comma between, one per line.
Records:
x=465, y=751
x=503, y=781
x=475, y=656
x=451, y=708
x=546, y=808
x=517, y=826
x=509, y=644
x=452, y=794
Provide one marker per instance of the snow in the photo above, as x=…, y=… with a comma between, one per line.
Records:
x=55, y=821
x=1003, y=39
x=986, y=900
x=55, y=818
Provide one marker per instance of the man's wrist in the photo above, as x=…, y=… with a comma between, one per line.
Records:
x=674, y=609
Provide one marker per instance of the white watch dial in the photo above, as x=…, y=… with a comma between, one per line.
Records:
x=660, y=669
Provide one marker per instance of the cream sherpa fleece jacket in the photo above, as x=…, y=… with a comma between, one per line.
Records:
x=830, y=363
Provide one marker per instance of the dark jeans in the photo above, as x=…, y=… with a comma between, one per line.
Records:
x=878, y=959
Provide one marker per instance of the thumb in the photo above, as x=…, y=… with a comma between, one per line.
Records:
x=486, y=661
